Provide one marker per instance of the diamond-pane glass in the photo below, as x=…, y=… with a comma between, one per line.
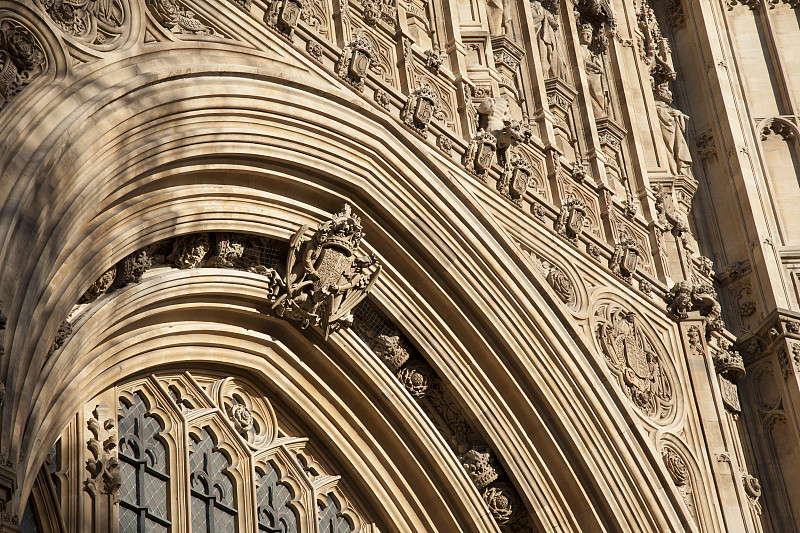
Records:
x=274, y=514
x=143, y=470
x=212, y=489
x=199, y=510
x=128, y=521
x=330, y=520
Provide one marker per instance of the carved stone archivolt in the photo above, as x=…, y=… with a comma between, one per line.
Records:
x=22, y=58
x=423, y=384
x=640, y=368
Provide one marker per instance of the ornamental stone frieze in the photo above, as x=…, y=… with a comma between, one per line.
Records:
x=641, y=368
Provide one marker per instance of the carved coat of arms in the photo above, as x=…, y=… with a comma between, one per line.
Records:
x=325, y=278
x=635, y=362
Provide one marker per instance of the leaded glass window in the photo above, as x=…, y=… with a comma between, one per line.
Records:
x=273, y=497
x=199, y=454
x=213, y=501
x=331, y=519
x=144, y=492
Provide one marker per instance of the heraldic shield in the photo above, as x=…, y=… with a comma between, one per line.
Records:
x=634, y=360
x=325, y=279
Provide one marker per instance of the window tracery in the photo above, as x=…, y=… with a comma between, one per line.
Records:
x=204, y=453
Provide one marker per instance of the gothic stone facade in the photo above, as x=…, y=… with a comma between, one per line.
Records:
x=399, y=265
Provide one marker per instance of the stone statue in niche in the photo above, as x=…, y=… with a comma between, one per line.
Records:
x=499, y=14
x=545, y=24
x=595, y=72
x=673, y=132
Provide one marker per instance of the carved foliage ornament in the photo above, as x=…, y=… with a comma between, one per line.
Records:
x=635, y=362
x=103, y=465
x=22, y=58
x=325, y=279
x=96, y=22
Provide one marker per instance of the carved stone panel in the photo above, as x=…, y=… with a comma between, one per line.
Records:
x=640, y=366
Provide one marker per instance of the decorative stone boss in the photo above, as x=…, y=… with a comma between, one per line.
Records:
x=325, y=279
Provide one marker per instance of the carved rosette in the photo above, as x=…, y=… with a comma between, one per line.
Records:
x=503, y=503
x=639, y=367
x=752, y=487
x=22, y=58
x=249, y=414
x=561, y=284
x=416, y=377
x=676, y=466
